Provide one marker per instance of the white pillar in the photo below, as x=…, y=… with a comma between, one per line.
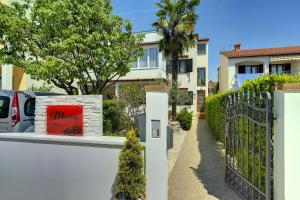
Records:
x=7, y=77
x=266, y=67
x=287, y=145
x=156, y=142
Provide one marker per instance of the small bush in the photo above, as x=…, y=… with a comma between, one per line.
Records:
x=185, y=119
x=114, y=119
x=131, y=181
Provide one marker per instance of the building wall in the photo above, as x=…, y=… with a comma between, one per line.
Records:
x=223, y=74
x=185, y=80
x=189, y=80
x=229, y=69
x=19, y=79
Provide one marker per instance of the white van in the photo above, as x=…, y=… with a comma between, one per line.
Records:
x=17, y=110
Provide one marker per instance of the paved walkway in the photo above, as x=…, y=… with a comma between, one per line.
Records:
x=199, y=170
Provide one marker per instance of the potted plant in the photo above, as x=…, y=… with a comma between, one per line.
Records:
x=131, y=181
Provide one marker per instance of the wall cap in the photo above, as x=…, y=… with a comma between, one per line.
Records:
x=288, y=86
x=156, y=88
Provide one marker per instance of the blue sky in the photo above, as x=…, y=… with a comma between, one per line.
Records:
x=253, y=23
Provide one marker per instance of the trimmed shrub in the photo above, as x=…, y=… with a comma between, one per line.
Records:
x=185, y=119
x=131, y=181
x=266, y=82
x=114, y=119
x=216, y=104
x=216, y=115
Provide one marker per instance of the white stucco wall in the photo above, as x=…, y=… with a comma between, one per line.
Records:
x=40, y=167
x=286, y=144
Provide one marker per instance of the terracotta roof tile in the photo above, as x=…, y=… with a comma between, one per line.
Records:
x=262, y=52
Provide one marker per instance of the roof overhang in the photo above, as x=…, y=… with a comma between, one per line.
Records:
x=284, y=58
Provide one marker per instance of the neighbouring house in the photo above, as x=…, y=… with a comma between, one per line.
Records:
x=238, y=65
x=152, y=67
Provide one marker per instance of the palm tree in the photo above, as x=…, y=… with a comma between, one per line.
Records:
x=176, y=24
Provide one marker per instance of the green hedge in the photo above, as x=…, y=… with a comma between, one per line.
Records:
x=185, y=119
x=265, y=83
x=216, y=113
x=216, y=104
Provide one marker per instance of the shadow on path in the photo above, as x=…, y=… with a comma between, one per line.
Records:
x=211, y=169
x=199, y=171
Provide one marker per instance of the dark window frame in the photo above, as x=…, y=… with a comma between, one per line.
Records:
x=188, y=64
x=25, y=105
x=201, y=51
x=198, y=69
x=286, y=68
x=242, y=69
x=5, y=115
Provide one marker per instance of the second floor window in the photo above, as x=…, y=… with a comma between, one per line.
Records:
x=185, y=66
x=148, y=60
x=201, y=77
x=201, y=48
x=280, y=68
x=250, y=69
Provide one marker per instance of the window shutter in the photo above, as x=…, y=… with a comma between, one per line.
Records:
x=287, y=68
x=189, y=64
x=241, y=69
x=260, y=69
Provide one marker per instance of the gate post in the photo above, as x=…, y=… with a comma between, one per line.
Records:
x=286, y=143
x=156, y=142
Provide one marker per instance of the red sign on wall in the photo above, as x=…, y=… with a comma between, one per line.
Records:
x=65, y=120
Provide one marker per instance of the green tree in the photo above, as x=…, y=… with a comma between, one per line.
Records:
x=42, y=88
x=69, y=43
x=131, y=181
x=14, y=28
x=176, y=24
x=133, y=97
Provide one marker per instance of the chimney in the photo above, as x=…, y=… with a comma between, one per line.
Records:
x=237, y=46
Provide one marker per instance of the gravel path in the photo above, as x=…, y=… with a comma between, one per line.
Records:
x=199, y=170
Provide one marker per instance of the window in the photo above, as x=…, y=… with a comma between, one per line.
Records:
x=148, y=60
x=201, y=79
x=144, y=59
x=191, y=94
x=280, y=68
x=201, y=48
x=185, y=66
x=153, y=57
x=250, y=69
x=201, y=101
x=4, y=106
x=134, y=65
x=29, y=107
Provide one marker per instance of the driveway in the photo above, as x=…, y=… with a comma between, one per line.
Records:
x=198, y=173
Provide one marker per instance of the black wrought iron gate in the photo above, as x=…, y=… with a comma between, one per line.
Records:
x=248, y=145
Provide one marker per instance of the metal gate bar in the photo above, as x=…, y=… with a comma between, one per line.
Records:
x=248, y=145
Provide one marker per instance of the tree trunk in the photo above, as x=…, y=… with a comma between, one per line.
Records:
x=175, y=59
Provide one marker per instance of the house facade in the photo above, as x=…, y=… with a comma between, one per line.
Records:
x=152, y=67
x=238, y=65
